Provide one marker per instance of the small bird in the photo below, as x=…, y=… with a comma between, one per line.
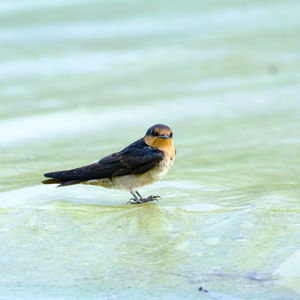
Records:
x=141, y=163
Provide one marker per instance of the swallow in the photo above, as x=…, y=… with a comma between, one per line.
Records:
x=141, y=163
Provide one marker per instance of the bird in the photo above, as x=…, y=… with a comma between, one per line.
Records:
x=141, y=163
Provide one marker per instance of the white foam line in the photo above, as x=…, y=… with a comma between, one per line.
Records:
x=82, y=30
x=68, y=64
x=63, y=124
x=12, y=6
x=27, y=129
x=112, y=61
x=47, y=195
x=118, y=62
x=87, y=30
x=204, y=24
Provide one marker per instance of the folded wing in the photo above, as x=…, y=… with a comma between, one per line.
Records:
x=137, y=158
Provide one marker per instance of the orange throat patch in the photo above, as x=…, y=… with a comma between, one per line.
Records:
x=165, y=145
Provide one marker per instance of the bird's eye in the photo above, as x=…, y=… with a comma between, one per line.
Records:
x=155, y=133
x=171, y=135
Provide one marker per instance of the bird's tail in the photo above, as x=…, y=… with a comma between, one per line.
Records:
x=51, y=181
x=62, y=182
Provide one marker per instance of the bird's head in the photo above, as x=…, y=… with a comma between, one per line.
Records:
x=159, y=136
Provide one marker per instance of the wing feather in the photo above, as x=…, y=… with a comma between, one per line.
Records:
x=137, y=158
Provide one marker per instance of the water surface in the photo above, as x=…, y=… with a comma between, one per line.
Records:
x=82, y=79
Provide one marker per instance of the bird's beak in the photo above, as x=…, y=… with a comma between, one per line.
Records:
x=163, y=136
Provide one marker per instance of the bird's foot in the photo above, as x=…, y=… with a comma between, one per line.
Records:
x=151, y=198
x=143, y=200
x=134, y=201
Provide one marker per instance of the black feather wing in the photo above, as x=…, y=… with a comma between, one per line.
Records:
x=137, y=158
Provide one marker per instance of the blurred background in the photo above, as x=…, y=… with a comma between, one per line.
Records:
x=81, y=79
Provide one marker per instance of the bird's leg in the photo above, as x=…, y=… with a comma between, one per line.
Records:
x=150, y=198
x=140, y=196
x=135, y=199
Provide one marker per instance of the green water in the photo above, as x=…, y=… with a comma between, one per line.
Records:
x=82, y=79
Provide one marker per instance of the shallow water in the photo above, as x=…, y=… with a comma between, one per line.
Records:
x=81, y=79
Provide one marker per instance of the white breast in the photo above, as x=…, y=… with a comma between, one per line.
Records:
x=133, y=182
